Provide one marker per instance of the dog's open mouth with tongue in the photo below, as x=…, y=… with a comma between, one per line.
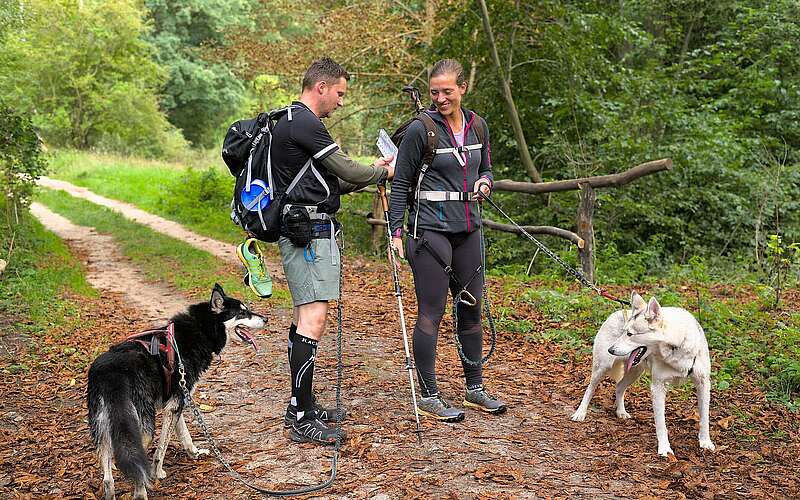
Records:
x=635, y=357
x=244, y=333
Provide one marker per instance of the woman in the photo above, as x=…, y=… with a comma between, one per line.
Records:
x=444, y=230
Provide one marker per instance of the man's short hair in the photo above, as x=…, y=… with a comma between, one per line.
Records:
x=325, y=69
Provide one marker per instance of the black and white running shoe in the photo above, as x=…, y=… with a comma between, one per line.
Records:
x=327, y=415
x=313, y=430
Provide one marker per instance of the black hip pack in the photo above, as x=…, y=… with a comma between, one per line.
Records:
x=297, y=226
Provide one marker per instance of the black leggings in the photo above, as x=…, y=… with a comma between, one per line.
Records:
x=463, y=252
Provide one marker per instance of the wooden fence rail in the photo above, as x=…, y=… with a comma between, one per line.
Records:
x=583, y=239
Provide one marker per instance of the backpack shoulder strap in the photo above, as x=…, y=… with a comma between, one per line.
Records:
x=431, y=139
x=480, y=131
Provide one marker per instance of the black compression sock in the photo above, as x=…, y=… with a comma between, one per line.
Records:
x=304, y=352
x=292, y=334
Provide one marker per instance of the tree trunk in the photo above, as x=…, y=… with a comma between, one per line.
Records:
x=519, y=136
x=586, y=230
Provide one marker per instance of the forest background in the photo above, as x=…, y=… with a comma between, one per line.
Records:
x=598, y=87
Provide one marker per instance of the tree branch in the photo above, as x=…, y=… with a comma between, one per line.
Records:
x=549, y=230
x=598, y=181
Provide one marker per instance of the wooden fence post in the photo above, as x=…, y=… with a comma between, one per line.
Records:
x=586, y=229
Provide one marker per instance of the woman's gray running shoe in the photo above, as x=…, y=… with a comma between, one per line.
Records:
x=325, y=414
x=436, y=407
x=483, y=401
x=313, y=430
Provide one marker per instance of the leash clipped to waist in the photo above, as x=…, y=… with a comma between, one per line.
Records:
x=578, y=275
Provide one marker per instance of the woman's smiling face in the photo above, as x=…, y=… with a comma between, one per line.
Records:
x=446, y=94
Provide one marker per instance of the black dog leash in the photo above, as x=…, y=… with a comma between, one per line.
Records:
x=570, y=270
x=212, y=444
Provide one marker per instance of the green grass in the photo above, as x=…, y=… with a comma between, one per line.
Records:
x=160, y=257
x=41, y=273
x=197, y=197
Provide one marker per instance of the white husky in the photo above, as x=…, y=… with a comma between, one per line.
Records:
x=669, y=342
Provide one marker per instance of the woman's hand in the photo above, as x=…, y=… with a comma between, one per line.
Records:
x=483, y=186
x=397, y=248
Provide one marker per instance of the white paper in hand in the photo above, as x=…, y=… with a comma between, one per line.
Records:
x=386, y=146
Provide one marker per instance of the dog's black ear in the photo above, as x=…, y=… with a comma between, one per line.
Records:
x=217, y=299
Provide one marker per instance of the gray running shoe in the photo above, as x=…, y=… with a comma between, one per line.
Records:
x=313, y=430
x=327, y=415
x=436, y=407
x=483, y=401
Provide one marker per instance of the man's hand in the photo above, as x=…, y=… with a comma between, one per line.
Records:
x=397, y=247
x=386, y=162
x=483, y=186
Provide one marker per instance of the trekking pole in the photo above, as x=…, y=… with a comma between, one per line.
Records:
x=571, y=270
x=398, y=293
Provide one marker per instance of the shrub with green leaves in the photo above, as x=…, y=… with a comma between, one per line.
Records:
x=21, y=160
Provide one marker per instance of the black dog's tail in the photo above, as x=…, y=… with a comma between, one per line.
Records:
x=116, y=429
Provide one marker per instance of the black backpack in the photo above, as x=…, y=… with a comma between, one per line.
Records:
x=258, y=202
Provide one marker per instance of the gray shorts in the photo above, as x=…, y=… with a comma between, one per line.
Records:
x=313, y=272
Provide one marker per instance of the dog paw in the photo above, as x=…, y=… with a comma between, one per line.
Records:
x=706, y=444
x=578, y=416
x=196, y=452
x=665, y=452
x=624, y=415
x=160, y=474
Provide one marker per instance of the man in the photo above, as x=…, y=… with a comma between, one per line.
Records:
x=301, y=143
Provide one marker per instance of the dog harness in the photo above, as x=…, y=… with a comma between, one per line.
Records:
x=156, y=342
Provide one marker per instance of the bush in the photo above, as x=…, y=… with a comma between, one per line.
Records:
x=21, y=160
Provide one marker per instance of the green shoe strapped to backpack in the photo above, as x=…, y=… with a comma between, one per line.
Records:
x=257, y=278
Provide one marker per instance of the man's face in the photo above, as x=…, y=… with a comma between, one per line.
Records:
x=332, y=97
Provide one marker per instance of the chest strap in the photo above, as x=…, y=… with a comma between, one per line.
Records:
x=445, y=196
x=156, y=342
x=458, y=151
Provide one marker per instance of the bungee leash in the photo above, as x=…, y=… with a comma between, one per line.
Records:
x=578, y=275
x=399, y=294
x=486, y=307
x=212, y=444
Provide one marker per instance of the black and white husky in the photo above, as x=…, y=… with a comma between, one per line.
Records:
x=128, y=385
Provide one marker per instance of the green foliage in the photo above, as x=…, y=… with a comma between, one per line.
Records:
x=200, y=95
x=21, y=161
x=40, y=271
x=86, y=76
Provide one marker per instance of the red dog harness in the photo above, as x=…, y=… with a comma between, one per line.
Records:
x=156, y=342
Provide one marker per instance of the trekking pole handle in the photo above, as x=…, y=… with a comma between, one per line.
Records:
x=415, y=96
x=384, y=200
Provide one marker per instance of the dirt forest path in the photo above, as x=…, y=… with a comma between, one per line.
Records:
x=532, y=451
